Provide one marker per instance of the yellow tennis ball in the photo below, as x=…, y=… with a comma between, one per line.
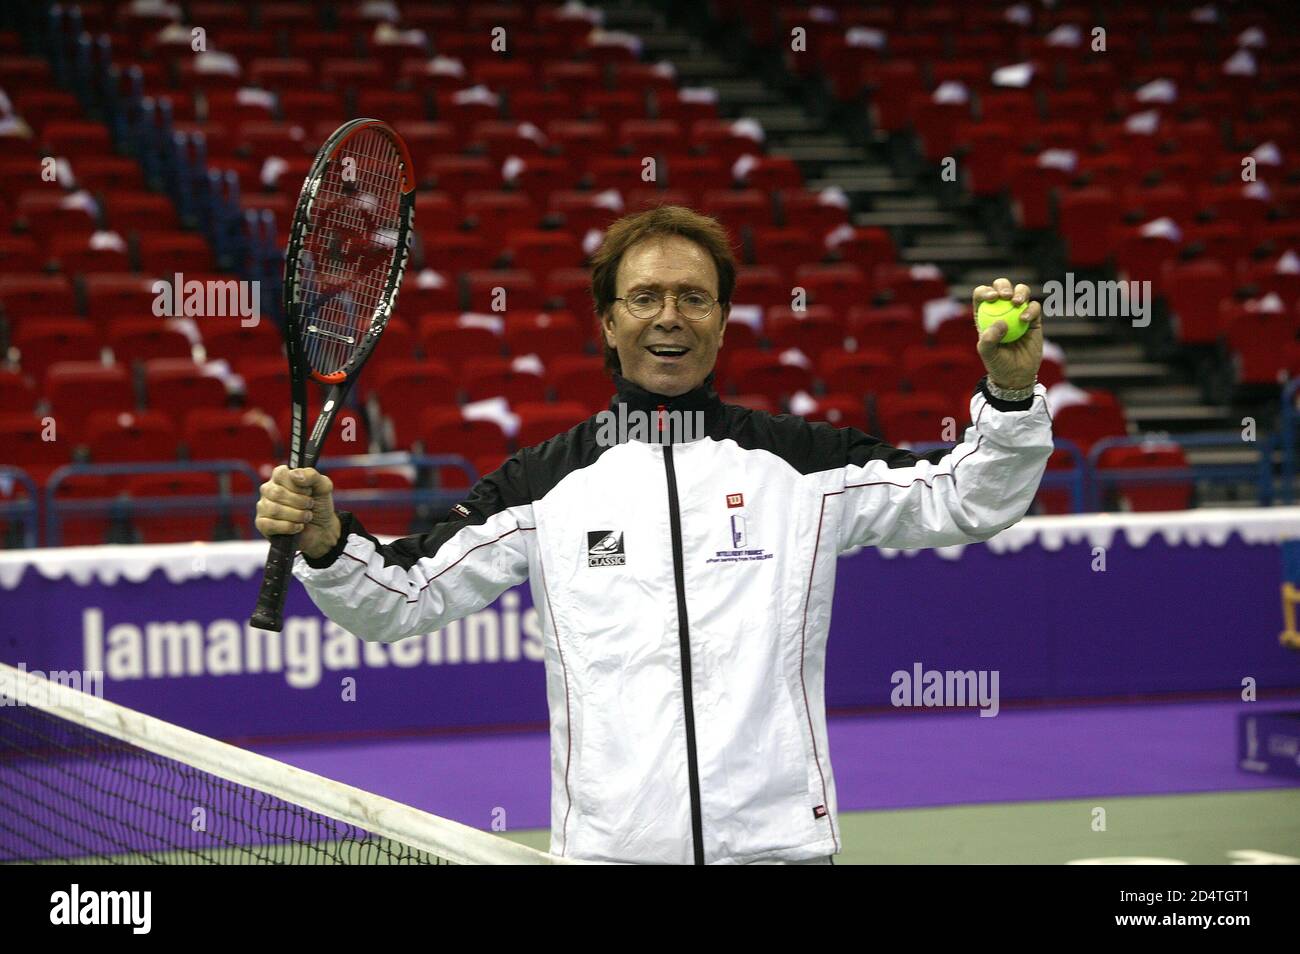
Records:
x=1001, y=309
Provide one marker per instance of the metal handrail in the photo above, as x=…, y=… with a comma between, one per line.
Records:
x=54, y=508
x=120, y=505
x=23, y=508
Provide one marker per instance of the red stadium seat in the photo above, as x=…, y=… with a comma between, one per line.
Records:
x=1085, y=218
x=117, y=295
x=762, y=372
x=841, y=410
x=405, y=388
x=810, y=210
x=772, y=173
x=867, y=371
x=453, y=252
x=542, y=252
x=491, y=290
x=120, y=437
x=25, y=438
x=813, y=331
x=229, y=434
x=230, y=338
x=1176, y=494
x=76, y=388
x=494, y=214
x=1085, y=424
x=786, y=248
x=178, y=386
x=840, y=286
x=913, y=418
x=20, y=253
x=22, y=296
x=447, y=431
x=134, y=211
x=483, y=378
x=266, y=383
x=1193, y=290
x=452, y=338
x=16, y=391
x=76, y=254
x=374, y=516
x=545, y=334
x=166, y=253
x=142, y=339
x=739, y=210
x=175, y=526
x=762, y=285
x=539, y=422
x=42, y=343
x=951, y=371
x=582, y=380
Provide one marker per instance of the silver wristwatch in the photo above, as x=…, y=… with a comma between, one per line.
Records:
x=1010, y=394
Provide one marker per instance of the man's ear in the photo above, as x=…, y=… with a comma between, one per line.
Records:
x=607, y=328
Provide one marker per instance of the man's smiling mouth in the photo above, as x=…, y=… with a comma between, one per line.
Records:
x=667, y=351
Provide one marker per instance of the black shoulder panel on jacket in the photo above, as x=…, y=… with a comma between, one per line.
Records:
x=526, y=476
x=813, y=446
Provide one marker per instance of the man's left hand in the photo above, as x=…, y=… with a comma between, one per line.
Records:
x=1012, y=366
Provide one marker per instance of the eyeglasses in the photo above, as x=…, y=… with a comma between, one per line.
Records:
x=647, y=305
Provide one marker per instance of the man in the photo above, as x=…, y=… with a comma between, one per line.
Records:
x=683, y=574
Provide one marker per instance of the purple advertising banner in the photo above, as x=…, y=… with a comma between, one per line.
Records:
x=1058, y=608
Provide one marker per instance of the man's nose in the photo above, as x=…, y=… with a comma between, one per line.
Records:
x=669, y=317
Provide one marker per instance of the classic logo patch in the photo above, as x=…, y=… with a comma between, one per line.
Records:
x=735, y=500
x=605, y=548
x=461, y=509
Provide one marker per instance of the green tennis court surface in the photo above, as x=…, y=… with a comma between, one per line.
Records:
x=1198, y=829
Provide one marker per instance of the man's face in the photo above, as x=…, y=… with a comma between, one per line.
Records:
x=672, y=265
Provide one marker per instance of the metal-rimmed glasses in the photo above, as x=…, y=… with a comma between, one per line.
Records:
x=647, y=305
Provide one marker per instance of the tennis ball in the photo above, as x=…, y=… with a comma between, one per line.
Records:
x=1001, y=309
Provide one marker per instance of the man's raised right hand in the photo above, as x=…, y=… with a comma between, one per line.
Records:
x=299, y=501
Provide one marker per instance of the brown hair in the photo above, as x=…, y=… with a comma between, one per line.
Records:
x=704, y=231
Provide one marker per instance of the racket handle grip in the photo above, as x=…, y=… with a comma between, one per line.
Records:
x=269, y=614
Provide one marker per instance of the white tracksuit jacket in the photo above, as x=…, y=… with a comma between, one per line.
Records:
x=684, y=589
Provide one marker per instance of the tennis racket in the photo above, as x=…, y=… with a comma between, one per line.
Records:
x=342, y=268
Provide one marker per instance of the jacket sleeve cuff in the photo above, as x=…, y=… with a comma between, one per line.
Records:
x=327, y=559
x=1001, y=405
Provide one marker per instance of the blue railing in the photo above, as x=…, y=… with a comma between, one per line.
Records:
x=226, y=504
x=1084, y=481
x=1286, y=429
x=1101, y=478
x=22, y=508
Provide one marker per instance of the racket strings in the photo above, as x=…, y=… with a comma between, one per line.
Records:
x=349, y=248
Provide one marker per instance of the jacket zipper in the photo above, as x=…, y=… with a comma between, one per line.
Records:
x=684, y=640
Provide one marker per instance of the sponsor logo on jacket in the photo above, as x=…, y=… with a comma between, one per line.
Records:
x=605, y=548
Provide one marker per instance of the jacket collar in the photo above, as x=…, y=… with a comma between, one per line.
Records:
x=704, y=399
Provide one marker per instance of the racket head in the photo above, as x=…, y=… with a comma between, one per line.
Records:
x=347, y=249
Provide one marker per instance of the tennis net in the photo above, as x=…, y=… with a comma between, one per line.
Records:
x=86, y=781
